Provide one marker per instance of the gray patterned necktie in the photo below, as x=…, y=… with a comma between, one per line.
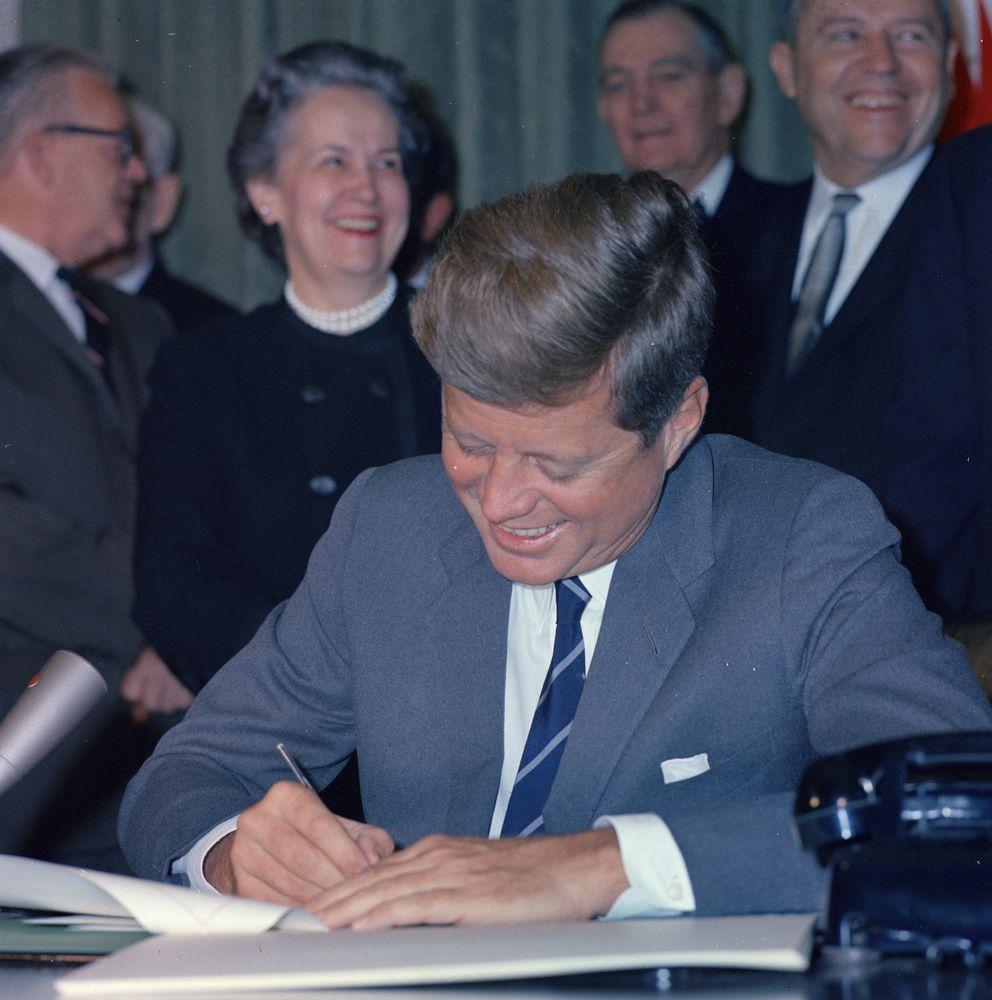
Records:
x=818, y=282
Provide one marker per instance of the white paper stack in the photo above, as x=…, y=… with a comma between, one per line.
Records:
x=419, y=956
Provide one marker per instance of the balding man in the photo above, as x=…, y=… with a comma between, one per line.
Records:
x=73, y=357
x=670, y=92
x=810, y=354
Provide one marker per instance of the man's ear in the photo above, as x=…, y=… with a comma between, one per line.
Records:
x=949, y=60
x=782, y=60
x=732, y=85
x=167, y=192
x=436, y=215
x=37, y=155
x=684, y=424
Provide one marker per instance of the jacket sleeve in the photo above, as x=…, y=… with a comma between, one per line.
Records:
x=221, y=758
x=869, y=664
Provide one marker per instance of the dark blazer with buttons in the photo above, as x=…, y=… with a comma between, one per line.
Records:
x=839, y=407
x=762, y=619
x=255, y=428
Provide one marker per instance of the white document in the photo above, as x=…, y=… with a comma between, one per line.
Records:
x=417, y=956
x=157, y=907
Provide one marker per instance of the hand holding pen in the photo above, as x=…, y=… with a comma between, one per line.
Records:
x=289, y=847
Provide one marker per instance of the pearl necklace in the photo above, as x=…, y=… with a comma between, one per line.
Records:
x=344, y=321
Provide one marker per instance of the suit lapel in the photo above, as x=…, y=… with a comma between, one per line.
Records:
x=468, y=622
x=776, y=256
x=876, y=284
x=646, y=624
x=38, y=315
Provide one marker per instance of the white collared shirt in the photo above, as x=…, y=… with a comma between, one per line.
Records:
x=865, y=224
x=710, y=190
x=133, y=278
x=40, y=266
x=652, y=861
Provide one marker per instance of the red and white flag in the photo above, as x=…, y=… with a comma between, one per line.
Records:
x=972, y=104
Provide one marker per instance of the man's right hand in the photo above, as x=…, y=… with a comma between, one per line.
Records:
x=288, y=847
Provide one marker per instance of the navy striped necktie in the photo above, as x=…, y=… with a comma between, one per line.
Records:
x=553, y=716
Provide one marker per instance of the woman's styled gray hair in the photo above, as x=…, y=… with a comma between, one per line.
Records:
x=282, y=85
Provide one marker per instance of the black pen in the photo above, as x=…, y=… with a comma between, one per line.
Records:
x=293, y=766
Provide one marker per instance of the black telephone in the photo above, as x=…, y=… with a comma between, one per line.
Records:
x=905, y=828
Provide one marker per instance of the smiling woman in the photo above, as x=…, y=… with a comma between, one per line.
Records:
x=257, y=426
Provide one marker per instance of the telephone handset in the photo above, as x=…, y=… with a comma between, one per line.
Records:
x=905, y=829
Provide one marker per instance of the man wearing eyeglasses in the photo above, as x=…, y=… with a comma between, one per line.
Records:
x=73, y=356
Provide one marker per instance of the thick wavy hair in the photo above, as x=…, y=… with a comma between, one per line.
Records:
x=282, y=85
x=534, y=295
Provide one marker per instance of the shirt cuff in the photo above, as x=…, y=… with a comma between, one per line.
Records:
x=190, y=865
x=654, y=866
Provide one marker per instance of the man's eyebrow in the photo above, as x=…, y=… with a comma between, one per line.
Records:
x=838, y=21
x=459, y=432
x=575, y=461
x=919, y=22
x=679, y=62
x=853, y=19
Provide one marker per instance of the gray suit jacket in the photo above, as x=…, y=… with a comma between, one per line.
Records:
x=67, y=480
x=762, y=619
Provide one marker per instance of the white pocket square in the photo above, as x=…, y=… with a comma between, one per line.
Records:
x=680, y=768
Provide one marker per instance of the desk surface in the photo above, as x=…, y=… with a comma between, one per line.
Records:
x=906, y=980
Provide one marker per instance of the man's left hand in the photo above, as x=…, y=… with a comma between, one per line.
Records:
x=150, y=686
x=468, y=880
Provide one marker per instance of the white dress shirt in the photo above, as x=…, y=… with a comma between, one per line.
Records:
x=40, y=266
x=710, y=190
x=652, y=861
x=865, y=224
x=132, y=280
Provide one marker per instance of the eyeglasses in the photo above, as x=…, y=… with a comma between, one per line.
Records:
x=125, y=139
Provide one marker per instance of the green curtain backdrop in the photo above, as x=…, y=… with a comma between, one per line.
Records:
x=515, y=80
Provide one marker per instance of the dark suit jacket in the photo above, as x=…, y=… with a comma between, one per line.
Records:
x=838, y=407
x=948, y=308
x=187, y=305
x=745, y=191
x=761, y=619
x=67, y=490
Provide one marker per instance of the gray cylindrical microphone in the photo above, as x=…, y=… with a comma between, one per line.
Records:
x=65, y=689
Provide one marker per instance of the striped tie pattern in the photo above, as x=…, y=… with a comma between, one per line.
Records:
x=553, y=716
x=818, y=282
x=98, y=336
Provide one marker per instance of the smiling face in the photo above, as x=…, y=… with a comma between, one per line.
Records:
x=93, y=190
x=664, y=107
x=339, y=196
x=872, y=81
x=558, y=490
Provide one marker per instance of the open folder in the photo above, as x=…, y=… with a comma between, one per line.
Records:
x=98, y=900
x=208, y=943
x=420, y=956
